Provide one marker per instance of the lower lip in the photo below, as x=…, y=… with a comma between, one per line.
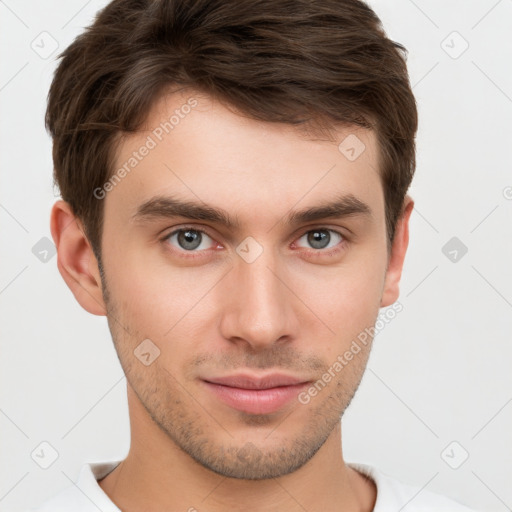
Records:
x=256, y=401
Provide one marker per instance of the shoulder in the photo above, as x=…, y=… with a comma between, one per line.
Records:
x=85, y=495
x=393, y=494
x=67, y=499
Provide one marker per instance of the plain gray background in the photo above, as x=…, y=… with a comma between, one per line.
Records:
x=434, y=407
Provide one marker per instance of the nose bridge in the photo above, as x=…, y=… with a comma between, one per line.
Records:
x=259, y=309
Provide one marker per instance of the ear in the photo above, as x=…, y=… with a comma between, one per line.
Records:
x=391, y=289
x=75, y=259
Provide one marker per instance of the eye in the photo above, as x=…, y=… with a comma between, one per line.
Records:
x=189, y=239
x=321, y=241
x=323, y=238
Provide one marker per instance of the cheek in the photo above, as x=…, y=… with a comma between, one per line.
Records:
x=166, y=304
x=152, y=289
x=346, y=298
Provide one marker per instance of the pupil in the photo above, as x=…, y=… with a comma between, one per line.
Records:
x=319, y=239
x=189, y=239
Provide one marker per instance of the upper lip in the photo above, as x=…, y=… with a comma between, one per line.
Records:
x=246, y=381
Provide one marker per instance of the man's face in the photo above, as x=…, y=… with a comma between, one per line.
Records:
x=266, y=296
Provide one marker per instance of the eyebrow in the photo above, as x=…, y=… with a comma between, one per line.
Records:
x=163, y=207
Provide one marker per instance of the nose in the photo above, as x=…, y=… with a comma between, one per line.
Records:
x=259, y=309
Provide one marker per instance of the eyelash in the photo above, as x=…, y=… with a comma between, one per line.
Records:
x=311, y=252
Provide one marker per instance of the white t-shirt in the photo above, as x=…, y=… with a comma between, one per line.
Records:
x=392, y=494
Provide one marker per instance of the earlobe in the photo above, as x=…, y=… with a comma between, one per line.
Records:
x=75, y=259
x=391, y=290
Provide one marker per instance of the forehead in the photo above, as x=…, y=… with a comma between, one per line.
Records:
x=195, y=148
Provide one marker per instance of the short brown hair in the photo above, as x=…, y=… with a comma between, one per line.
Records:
x=301, y=62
